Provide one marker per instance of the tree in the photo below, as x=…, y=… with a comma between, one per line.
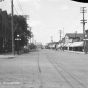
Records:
x=21, y=29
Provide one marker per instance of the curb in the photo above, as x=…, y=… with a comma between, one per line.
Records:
x=75, y=52
x=7, y=56
x=10, y=57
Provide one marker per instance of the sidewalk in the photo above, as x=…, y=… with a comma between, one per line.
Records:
x=10, y=55
x=7, y=55
x=78, y=52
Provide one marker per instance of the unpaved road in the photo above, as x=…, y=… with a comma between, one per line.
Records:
x=45, y=69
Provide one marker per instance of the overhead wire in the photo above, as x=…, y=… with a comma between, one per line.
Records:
x=16, y=9
x=50, y=14
x=69, y=24
x=76, y=28
x=54, y=3
x=72, y=19
x=20, y=7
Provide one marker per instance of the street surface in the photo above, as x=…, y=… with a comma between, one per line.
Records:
x=45, y=69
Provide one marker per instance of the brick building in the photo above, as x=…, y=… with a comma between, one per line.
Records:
x=5, y=32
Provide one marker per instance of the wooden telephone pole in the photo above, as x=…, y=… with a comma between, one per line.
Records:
x=51, y=39
x=12, y=27
x=60, y=32
x=84, y=21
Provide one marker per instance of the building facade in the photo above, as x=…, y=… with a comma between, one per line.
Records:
x=73, y=37
x=5, y=32
x=74, y=41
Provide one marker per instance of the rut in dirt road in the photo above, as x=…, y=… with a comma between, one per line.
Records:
x=39, y=68
x=70, y=79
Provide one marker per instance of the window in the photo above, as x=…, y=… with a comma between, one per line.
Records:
x=3, y=29
x=0, y=22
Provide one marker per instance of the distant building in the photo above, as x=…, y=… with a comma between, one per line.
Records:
x=52, y=45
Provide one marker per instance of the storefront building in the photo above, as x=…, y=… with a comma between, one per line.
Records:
x=73, y=42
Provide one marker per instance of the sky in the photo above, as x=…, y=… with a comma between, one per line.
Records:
x=48, y=17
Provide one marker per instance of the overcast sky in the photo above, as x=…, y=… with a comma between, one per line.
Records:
x=47, y=17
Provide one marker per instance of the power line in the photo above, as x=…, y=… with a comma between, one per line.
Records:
x=73, y=19
x=77, y=27
x=20, y=7
x=56, y=15
x=70, y=22
x=60, y=32
x=14, y=8
x=54, y=3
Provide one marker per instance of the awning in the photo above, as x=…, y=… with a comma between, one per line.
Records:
x=68, y=44
x=65, y=44
x=76, y=44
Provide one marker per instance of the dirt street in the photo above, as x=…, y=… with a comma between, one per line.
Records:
x=45, y=69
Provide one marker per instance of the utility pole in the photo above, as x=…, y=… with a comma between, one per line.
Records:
x=60, y=31
x=51, y=39
x=12, y=27
x=30, y=40
x=63, y=31
x=84, y=21
x=64, y=39
x=30, y=37
x=75, y=34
